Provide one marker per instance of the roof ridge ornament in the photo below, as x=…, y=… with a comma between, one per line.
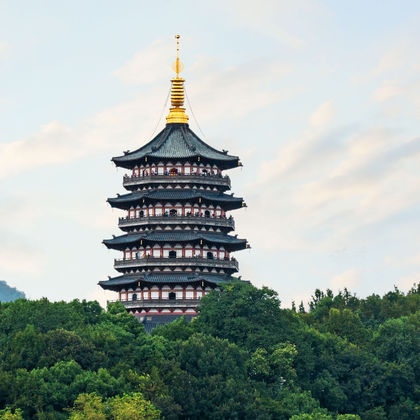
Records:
x=177, y=111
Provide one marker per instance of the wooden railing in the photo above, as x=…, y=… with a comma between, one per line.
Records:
x=180, y=262
x=155, y=220
x=195, y=178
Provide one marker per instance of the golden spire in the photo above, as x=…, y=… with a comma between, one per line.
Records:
x=177, y=112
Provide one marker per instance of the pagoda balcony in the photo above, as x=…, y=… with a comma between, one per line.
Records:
x=159, y=303
x=126, y=222
x=227, y=264
x=214, y=180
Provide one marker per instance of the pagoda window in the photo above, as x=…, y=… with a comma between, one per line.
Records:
x=134, y=296
x=173, y=212
x=172, y=254
x=189, y=294
x=146, y=295
x=187, y=170
x=154, y=294
x=123, y=297
x=222, y=255
x=207, y=213
x=171, y=295
x=158, y=211
x=188, y=253
x=210, y=255
x=179, y=294
x=156, y=253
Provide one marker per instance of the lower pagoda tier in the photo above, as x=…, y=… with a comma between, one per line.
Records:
x=168, y=295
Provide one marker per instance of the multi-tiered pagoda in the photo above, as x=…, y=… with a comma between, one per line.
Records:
x=177, y=243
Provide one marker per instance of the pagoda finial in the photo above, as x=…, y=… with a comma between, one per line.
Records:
x=177, y=112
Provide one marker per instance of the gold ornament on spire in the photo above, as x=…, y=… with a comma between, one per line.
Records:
x=177, y=112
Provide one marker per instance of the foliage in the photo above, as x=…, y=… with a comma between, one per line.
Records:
x=242, y=357
x=127, y=407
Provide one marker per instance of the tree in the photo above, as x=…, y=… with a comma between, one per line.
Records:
x=88, y=407
x=132, y=407
x=7, y=414
x=127, y=407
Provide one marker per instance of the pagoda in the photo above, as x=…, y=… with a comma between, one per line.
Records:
x=177, y=243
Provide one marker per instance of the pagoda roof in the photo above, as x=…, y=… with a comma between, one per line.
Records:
x=130, y=239
x=116, y=283
x=125, y=201
x=176, y=141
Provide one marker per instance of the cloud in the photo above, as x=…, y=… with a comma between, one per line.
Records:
x=225, y=93
x=412, y=260
x=329, y=185
x=220, y=93
x=323, y=115
x=101, y=295
x=289, y=23
x=348, y=279
x=18, y=258
x=405, y=283
x=148, y=65
x=389, y=89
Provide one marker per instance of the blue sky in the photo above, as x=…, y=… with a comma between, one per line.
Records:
x=320, y=99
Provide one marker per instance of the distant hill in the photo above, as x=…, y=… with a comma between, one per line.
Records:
x=7, y=293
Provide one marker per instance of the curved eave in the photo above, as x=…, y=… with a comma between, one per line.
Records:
x=116, y=283
x=122, y=242
x=126, y=201
x=176, y=142
x=120, y=162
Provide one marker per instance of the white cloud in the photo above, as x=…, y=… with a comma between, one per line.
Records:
x=290, y=23
x=16, y=258
x=389, y=89
x=3, y=46
x=412, y=260
x=148, y=65
x=219, y=94
x=348, y=279
x=101, y=295
x=405, y=283
x=327, y=186
x=323, y=115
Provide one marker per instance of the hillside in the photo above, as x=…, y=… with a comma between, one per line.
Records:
x=8, y=293
x=243, y=358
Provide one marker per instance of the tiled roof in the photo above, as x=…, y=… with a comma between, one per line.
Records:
x=176, y=141
x=122, y=241
x=126, y=200
x=162, y=278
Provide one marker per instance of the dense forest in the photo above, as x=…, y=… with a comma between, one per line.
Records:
x=243, y=358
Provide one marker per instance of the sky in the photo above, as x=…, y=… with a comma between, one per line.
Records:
x=320, y=99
